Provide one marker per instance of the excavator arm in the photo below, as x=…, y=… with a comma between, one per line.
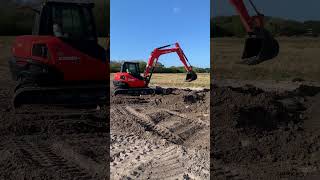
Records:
x=156, y=53
x=249, y=22
x=260, y=44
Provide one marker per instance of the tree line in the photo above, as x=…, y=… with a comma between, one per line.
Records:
x=231, y=26
x=17, y=21
x=159, y=68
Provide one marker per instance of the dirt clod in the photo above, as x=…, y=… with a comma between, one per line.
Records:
x=193, y=97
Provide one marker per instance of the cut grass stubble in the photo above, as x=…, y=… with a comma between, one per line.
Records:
x=177, y=80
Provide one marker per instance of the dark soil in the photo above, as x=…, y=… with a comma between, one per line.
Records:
x=257, y=134
x=48, y=142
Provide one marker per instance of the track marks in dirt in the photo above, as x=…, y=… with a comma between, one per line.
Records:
x=128, y=152
x=64, y=122
x=168, y=164
x=157, y=140
x=135, y=158
x=197, y=120
x=42, y=155
x=149, y=125
x=176, y=128
x=226, y=173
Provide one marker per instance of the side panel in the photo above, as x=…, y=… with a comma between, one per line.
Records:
x=131, y=81
x=73, y=64
x=77, y=65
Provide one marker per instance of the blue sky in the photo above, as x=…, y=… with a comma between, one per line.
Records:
x=139, y=26
x=290, y=9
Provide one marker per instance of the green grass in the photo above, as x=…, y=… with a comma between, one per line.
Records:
x=298, y=58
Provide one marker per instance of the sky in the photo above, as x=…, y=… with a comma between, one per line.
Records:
x=139, y=26
x=300, y=10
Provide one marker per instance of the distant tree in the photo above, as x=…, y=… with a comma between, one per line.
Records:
x=231, y=26
x=15, y=21
x=160, y=68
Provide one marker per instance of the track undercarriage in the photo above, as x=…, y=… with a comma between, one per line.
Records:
x=142, y=91
x=67, y=95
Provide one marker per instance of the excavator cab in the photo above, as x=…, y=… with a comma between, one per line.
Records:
x=132, y=68
x=259, y=46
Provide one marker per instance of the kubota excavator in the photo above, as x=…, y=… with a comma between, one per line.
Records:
x=259, y=45
x=61, y=62
x=130, y=81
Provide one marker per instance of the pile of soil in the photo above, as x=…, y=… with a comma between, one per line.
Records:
x=259, y=134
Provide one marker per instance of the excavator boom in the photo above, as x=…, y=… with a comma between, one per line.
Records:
x=156, y=53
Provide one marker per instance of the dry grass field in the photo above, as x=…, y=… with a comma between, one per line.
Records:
x=177, y=80
x=298, y=58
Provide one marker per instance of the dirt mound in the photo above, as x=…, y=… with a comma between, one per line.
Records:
x=193, y=97
x=305, y=90
x=259, y=134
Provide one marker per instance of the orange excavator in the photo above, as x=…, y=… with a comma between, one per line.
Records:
x=62, y=61
x=130, y=81
x=259, y=46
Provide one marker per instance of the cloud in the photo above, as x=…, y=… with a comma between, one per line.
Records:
x=176, y=10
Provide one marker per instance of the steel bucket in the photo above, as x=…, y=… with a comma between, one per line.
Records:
x=191, y=76
x=260, y=46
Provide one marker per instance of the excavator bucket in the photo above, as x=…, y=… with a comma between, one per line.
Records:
x=259, y=47
x=191, y=76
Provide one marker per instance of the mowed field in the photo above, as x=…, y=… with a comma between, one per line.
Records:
x=178, y=80
x=298, y=58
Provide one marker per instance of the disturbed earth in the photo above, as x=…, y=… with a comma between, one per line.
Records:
x=53, y=144
x=265, y=132
x=160, y=136
x=38, y=142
